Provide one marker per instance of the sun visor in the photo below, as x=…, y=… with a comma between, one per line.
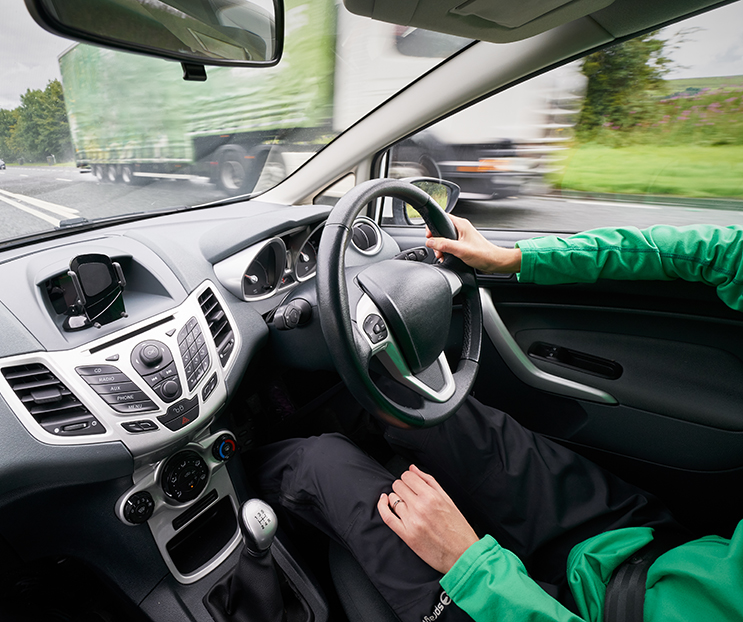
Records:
x=499, y=21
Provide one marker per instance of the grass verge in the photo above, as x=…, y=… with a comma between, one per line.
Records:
x=687, y=171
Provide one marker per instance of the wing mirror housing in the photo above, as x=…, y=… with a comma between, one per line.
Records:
x=444, y=192
x=220, y=32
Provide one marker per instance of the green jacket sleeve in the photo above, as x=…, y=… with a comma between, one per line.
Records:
x=491, y=584
x=706, y=253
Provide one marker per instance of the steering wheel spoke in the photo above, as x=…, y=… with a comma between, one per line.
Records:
x=439, y=372
x=380, y=342
x=453, y=277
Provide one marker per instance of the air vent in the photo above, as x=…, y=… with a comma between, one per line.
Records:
x=219, y=325
x=50, y=402
x=366, y=236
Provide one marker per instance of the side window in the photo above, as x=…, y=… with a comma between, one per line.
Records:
x=648, y=131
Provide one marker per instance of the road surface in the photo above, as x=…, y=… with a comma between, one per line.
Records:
x=34, y=199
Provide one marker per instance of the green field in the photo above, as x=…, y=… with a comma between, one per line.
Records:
x=692, y=171
x=726, y=83
x=686, y=143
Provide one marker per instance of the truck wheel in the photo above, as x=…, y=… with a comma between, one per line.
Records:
x=130, y=179
x=235, y=171
x=99, y=172
x=112, y=174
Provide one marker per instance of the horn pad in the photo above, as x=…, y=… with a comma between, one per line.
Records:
x=415, y=300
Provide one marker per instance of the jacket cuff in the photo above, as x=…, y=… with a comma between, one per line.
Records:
x=528, y=260
x=480, y=552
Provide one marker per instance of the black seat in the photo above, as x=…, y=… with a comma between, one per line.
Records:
x=361, y=601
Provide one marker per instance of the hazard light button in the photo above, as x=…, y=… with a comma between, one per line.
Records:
x=180, y=414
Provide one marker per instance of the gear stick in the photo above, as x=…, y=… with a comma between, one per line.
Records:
x=254, y=591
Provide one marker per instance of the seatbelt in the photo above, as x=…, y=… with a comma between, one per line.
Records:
x=625, y=593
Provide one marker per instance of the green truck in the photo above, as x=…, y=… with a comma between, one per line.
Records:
x=245, y=129
x=230, y=130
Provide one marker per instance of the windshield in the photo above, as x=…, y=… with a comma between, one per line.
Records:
x=87, y=132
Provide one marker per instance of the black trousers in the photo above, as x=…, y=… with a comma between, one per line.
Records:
x=535, y=497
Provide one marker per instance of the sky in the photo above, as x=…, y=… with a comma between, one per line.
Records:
x=29, y=54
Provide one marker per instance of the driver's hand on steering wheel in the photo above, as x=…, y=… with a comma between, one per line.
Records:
x=474, y=250
x=426, y=519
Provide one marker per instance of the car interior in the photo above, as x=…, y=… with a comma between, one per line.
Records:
x=145, y=362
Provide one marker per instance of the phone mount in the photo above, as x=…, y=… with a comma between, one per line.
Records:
x=99, y=287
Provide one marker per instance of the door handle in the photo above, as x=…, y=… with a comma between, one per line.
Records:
x=518, y=362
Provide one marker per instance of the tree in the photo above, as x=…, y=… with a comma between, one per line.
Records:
x=8, y=120
x=38, y=127
x=621, y=82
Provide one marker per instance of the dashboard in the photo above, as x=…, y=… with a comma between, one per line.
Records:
x=135, y=400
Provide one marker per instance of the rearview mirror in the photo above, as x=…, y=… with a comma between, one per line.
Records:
x=204, y=32
x=444, y=192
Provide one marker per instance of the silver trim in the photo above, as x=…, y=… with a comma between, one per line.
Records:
x=306, y=277
x=145, y=445
x=231, y=271
x=524, y=369
x=161, y=521
x=391, y=357
x=378, y=246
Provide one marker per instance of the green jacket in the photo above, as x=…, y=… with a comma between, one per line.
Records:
x=700, y=580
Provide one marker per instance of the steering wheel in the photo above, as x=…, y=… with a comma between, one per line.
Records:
x=398, y=312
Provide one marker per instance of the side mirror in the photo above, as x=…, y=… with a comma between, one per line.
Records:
x=219, y=32
x=445, y=193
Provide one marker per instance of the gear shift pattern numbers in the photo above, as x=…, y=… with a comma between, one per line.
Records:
x=263, y=519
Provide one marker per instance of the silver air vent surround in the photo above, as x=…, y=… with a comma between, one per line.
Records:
x=366, y=236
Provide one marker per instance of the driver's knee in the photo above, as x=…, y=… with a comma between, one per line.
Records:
x=311, y=470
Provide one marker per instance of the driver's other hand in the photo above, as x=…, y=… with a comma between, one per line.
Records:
x=426, y=519
x=474, y=250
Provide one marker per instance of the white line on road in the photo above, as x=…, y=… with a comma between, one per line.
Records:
x=22, y=175
x=617, y=203
x=61, y=210
x=30, y=210
x=62, y=179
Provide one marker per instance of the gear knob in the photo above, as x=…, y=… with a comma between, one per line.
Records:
x=258, y=524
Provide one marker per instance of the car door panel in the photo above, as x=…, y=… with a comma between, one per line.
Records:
x=676, y=404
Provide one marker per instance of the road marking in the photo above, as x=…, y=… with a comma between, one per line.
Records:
x=62, y=179
x=616, y=203
x=22, y=175
x=30, y=210
x=61, y=210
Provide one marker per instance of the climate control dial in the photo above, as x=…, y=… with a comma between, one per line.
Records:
x=184, y=477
